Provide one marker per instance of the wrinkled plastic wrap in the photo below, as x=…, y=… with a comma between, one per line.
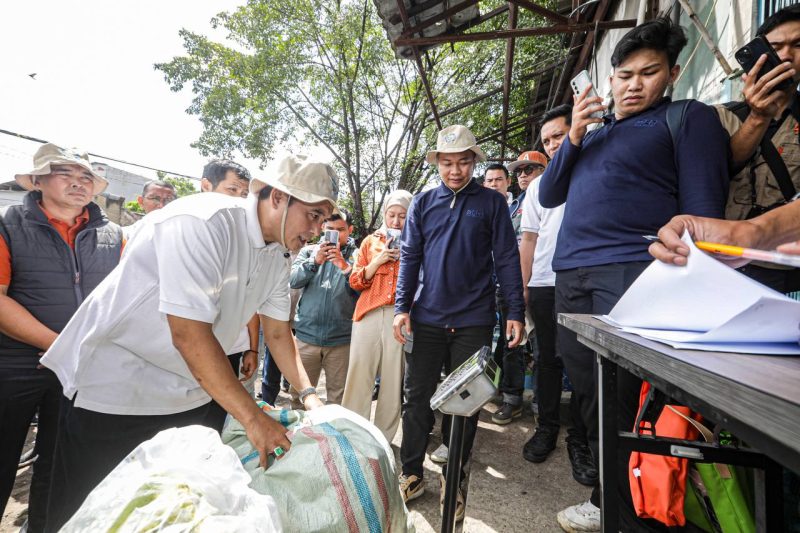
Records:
x=183, y=479
x=338, y=476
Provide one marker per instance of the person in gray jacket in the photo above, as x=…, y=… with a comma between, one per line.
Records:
x=324, y=318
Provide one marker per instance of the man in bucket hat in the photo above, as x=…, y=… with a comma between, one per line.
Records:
x=146, y=351
x=457, y=235
x=55, y=249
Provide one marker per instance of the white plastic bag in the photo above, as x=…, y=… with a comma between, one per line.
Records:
x=180, y=480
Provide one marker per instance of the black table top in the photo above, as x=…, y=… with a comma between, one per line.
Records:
x=756, y=397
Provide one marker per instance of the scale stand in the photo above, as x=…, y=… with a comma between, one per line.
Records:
x=461, y=395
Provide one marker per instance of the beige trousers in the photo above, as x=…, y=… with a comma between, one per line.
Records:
x=373, y=351
x=333, y=360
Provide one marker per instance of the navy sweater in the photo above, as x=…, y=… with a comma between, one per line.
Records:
x=626, y=180
x=458, y=240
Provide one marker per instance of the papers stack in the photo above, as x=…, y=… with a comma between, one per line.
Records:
x=706, y=305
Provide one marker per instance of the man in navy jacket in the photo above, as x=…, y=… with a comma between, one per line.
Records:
x=455, y=236
x=621, y=181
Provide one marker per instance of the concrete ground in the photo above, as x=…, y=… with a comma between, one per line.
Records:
x=17, y=507
x=509, y=494
x=505, y=493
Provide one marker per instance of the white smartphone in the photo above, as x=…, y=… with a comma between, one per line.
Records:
x=579, y=84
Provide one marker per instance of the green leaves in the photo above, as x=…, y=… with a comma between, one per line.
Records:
x=300, y=73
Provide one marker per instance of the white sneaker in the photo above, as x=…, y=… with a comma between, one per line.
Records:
x=581, y=518
x=439, y=455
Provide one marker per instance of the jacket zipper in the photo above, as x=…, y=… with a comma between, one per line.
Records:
x=76, y=274
x=77, y=278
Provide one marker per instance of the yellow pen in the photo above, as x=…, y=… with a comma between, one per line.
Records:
x=750, y=253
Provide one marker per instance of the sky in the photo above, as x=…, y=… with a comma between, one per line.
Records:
x=95, y=86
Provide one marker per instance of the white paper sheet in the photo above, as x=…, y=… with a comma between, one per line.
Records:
x=709, y=306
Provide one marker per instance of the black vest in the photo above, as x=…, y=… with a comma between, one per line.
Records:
x=48, y=278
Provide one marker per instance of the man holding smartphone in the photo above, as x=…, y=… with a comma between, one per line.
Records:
x=765, y=137
x=324, y=318
x=620, y=181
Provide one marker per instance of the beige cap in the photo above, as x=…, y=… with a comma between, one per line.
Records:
x=454, y=139
x=50, y=154
x=307, y=180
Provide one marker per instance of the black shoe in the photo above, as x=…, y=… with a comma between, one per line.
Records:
x=541, y=444
x=584, y=469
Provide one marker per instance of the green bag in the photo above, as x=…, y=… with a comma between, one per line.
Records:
x=719, y=498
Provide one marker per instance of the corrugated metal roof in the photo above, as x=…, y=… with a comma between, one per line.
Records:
x=419, y=12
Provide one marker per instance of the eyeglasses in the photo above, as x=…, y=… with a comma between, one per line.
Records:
x=528, y=169
x=159, y=199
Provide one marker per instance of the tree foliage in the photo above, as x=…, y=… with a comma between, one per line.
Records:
x=134, y=207
x=183, y=186
x=322, y=72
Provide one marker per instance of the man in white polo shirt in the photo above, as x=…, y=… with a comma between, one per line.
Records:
x=540, y=227
x=146, y=351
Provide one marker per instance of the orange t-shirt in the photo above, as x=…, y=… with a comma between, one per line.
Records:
x=379, y=290
x=67, y=232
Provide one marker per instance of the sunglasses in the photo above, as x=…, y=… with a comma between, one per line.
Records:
x=528, y=169
x=159, y=199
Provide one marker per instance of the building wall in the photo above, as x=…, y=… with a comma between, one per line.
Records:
x=11, y=197
x=731, y=25
x=121, y=182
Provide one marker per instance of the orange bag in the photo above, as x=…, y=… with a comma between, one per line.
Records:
x=658, y=482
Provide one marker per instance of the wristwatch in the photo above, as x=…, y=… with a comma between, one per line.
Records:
x=306, y=392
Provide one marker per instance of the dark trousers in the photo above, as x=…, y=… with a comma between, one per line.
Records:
x=23, y=391
x=270, y=379
x=510, y=360
x=595, y=290
x=434, y=348
x=216, y=414
x=91, y=444
x=550, y=367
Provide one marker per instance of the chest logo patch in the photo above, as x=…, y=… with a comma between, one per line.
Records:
x=474, y=213
x=645, y=123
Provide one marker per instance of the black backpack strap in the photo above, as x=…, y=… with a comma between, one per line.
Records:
x=740, y=109
x=768, y=151
x=676, y=113
x=778, y=167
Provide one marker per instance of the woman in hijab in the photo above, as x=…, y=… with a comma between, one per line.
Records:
x=373, y=348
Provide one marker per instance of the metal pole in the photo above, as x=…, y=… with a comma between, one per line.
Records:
x=676, y=20
x=509, y=67
x=455, y=450
x=706, y=37
x=607, y=399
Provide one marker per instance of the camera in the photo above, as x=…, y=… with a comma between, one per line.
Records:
x=330, y=236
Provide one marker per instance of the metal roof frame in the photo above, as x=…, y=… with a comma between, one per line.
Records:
x=428, y=23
